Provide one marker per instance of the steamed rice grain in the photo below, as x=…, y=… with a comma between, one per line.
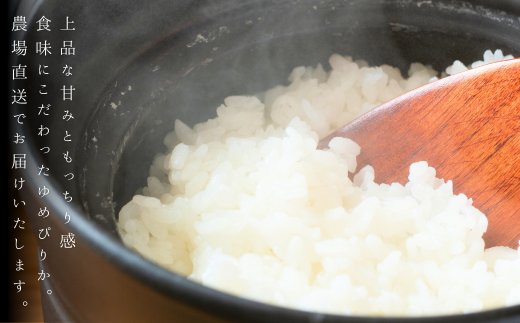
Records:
x=246, y=204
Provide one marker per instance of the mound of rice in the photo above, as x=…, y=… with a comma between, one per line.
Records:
x=246, y=204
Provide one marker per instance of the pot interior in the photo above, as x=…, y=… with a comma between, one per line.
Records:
x=249, y=47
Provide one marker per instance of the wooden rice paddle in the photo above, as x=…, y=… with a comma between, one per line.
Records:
x=466, y=126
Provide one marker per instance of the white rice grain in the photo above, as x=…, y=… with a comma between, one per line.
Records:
x=246, y=204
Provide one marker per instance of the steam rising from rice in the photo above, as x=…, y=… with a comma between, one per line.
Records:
x=246, y=204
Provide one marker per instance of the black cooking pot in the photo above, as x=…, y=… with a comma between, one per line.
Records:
x=138, y=66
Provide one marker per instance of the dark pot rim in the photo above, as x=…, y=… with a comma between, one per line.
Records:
x=195, y=294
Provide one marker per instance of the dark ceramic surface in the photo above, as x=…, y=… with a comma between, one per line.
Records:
x=151, y=46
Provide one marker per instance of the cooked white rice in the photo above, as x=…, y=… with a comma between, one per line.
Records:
x=246, y=204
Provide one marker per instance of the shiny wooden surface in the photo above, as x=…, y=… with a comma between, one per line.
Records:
x=466, y=126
